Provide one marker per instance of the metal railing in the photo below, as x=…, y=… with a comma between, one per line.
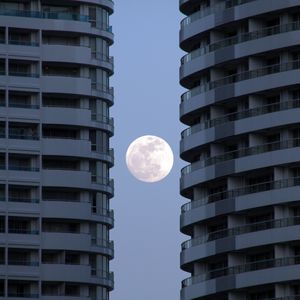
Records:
x=102, y=119
x=102, y=57
x=268, y=70
x=268, y=147
x=23, y=295
x=241, y=38
x=69, y=16
x=102, y=243
x=102, y=180
x=252, y=112
x=247, y=228
x=103, y=212
x=248, y=189
x=103, y=88
x=248, y=267
x=23, y=105
x=211, y=10
x=23, y=263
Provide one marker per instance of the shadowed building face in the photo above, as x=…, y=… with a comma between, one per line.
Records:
x=242, y=143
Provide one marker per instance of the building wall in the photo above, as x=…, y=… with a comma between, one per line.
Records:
x=55, y=154
x=241, y=72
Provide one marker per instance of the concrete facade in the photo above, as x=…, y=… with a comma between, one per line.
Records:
x=55, y=127
x=241, y=72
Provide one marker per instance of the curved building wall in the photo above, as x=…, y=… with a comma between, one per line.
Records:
x=55, y=154
x=241, y=72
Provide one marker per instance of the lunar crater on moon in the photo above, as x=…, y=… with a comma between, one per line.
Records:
x=149, y=158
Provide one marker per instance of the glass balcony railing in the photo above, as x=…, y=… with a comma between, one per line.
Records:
x=273, y=69
x=22, y=295
x=17, y=134
x=102, y=180
x=23, y=43
x=103, y=57
x=253, y=112
x=23, y=168
x=23, y=263
x=246, y=190
x=249, y=267
x=23, y=200
x=241, y=38
x=44, y=15
x=103, y=88
x=23, y=231
x=23, y=74
x=102, y=119
x=248, y=228
x=102, y=243
x=269, y=147
x=219, y=6
x=103, y=212
x=23, y=105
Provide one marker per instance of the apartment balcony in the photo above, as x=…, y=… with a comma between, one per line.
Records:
x=66, y=209
x=66, y=241
x=66, y=178
x=65, y=272
x=66, y=147
x=63, y=84
x=66, y=116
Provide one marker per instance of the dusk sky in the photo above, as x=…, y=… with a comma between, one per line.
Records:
x=147, y=93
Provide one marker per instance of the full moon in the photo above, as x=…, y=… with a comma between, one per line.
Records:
x=149, y=158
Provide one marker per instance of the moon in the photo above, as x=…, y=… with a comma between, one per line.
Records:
x=149, y=158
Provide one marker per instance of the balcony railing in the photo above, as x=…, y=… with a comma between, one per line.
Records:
x=219, y=6
x=16, y=134
x=102, y=119
x=23, y=200
x=103, y=212
x=22, y=295
x=268, y=147
x=102, y=243
x=248, y=228
x=248, y=189
x=23, y=231
x=103, y=88
x=23, y=263
x=23, y=168
x=23, y=105
x=241, y=38
x=23, y=43
x=253, y=112
x=249, y=267
x=273, y=69
x=24, y=74
x=44, y=15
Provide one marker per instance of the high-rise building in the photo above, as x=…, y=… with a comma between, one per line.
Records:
x=242, y=72
x=54, y=149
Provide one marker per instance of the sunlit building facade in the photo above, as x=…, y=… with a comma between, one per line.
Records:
x=55, y=157
x=242, y=109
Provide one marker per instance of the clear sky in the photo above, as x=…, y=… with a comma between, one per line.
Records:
x=147, y=93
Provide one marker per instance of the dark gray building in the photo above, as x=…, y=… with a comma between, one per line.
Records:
x=242, y=72
x=54, y=149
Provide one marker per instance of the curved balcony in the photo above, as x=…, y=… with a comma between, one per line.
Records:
x=103, y=122
x=235, y=270
x=243, y=229
x=221, y=6
x=241, y=38
x=66, y=147
x=106, y=155
x=44, y=15
x=61, y=84
x=246, y=190
x=249, y=113
x=66, y=241
x=103, y=91
x=104, y=278
x=104, y=61
x=273, y=69
x=79, y=273
x=244, y=152
x=106, y=247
